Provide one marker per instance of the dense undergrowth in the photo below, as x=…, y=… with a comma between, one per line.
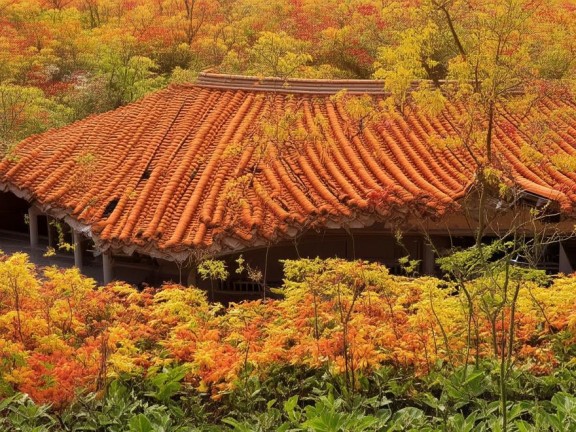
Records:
x=348, y=347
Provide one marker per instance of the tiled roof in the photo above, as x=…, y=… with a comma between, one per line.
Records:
x=180, y=169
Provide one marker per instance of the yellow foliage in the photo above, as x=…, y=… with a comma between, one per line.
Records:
x=530, y=155
x=347, y=317
x=430, y=101
x=564, y=162
x=17, y=278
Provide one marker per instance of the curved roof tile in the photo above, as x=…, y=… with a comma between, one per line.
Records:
x=191, y=166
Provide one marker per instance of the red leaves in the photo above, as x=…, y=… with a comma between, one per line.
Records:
x=55, y=378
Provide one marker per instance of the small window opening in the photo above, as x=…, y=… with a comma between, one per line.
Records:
x=110, y=207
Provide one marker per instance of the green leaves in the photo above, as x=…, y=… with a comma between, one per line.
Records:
x=400, y=65
x=328, y=414
x=141, y=423
x=20, y=413
x=127, y=76
x=461, y=423
x=465, y=405
x=168, y=383
x=212, y=269
x=278, y=55
x=472, y=262
x=292, y=410
x=26, y=110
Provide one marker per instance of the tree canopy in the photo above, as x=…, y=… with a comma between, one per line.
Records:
x=61, y=60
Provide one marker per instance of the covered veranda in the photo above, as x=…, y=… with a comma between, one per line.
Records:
x=12, y=242
x=24, y=228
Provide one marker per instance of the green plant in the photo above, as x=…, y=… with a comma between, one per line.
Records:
x=20, y=413
x=167, y=384
x=328, y=415
x=213, y=270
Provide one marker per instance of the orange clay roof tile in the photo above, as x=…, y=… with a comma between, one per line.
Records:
x=190, y=166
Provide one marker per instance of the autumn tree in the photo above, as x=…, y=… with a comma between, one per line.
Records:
x=277, y=55
x=17, y=284
x=25, y=110
x=498, y=77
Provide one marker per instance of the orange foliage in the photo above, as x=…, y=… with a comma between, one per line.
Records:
x=335, y=314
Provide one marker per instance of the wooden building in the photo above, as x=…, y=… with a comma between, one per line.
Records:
x=268, y=168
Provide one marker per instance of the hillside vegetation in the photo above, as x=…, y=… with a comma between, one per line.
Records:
x=61, y=60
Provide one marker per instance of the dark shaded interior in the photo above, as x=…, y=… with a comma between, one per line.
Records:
x=13, y=213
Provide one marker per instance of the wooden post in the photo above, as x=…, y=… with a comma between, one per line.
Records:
x=564, y=264
x=427, y=258
x=107, y=267
x=33, y=226
x=192, y=279
x=77, y=249
x=51, y=242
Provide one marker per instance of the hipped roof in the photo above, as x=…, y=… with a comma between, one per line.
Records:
x=186, y=168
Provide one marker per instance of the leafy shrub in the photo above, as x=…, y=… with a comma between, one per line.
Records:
x=345, y=330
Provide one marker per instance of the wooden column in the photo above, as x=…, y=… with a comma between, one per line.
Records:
x=192, y=279
x=427, y=258
x=51, y=239
x=107, y=267
x=564, y=265
x=33, y=226
x=77, y=237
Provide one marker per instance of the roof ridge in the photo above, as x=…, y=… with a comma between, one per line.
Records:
x=315, y=86
x=290, y=85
